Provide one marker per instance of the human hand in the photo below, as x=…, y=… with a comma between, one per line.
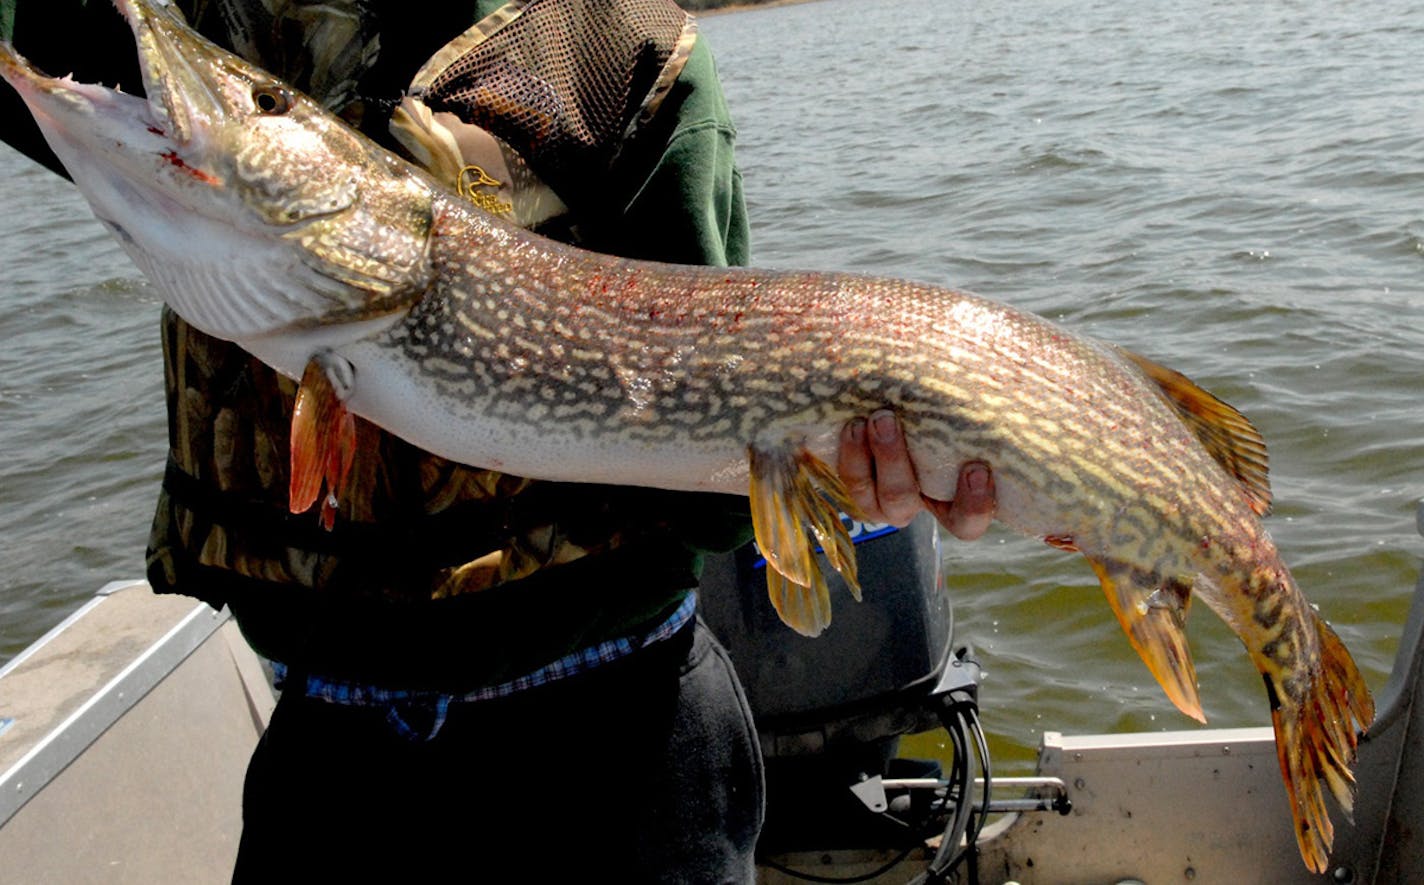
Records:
x=875, y=466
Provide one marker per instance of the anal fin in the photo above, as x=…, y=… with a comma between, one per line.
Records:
x=795, y=497
x=1153, y=614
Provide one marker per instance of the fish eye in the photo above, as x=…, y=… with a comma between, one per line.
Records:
x=271, y=101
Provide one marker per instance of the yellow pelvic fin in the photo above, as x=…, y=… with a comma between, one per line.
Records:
x=323, y=443
x=1227, y=434
x=1153, y=614
x=793, y=494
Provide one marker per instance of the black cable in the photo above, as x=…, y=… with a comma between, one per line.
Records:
x=965, y=717
x=971, y=845
x=943, y=864
x=981, y=746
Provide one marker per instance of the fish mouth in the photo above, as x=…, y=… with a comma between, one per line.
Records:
x=53, y=96
x=177, y=97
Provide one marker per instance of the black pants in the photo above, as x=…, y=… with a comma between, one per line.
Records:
x=644, y=770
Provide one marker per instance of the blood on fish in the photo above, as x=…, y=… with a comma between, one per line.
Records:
x=172, y=157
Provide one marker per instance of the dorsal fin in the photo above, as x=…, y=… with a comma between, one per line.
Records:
x=1228, y=435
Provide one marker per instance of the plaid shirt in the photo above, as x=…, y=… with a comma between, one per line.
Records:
x=419, y=715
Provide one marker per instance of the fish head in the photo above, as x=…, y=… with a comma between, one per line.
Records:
x=255, y=210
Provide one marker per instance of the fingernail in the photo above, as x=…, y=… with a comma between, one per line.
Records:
x=976, y=477
x=856, y=429
x=885, y=426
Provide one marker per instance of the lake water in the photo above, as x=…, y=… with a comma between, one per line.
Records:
x=1235, y=190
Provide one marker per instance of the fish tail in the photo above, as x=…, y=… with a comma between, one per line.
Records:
x=1318, y=714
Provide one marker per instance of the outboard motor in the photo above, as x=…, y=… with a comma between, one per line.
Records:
x=830, y=710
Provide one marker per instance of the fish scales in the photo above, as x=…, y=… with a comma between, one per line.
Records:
x=696, y=353
x=656, y=343
x=264, y=220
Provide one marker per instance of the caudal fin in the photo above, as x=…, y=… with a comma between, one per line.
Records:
x=1315, y=742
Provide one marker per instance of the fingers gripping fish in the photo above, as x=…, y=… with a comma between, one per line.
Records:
x=265, y=221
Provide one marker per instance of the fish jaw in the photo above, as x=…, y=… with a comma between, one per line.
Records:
x=112, y=146
x=251, y=208
x=137, y=184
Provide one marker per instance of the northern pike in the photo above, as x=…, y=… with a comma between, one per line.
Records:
x=263, y=219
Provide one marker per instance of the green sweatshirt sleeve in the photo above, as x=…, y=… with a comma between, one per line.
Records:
x=692, y=199
x=676, y=193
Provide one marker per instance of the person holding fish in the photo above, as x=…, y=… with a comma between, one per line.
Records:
x=479, y=670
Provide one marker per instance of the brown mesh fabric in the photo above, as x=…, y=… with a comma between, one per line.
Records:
x=562, y=81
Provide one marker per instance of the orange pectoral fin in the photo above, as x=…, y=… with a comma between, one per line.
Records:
x=308, y=440
x=323, y=443
x=339, y=457
x=1154, y=619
